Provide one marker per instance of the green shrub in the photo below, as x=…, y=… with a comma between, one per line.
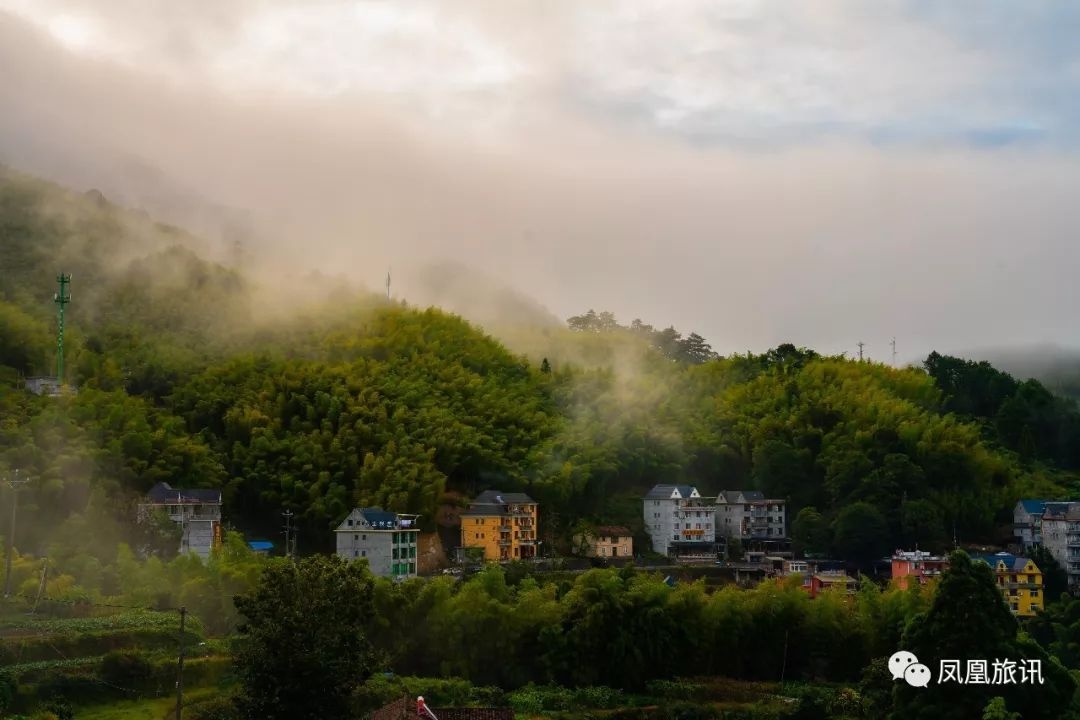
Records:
x=127, y=669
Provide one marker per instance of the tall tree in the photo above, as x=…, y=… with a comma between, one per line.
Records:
x=303, y=640
x=968, y=620
x=861, y=534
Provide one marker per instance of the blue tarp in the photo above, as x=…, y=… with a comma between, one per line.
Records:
x=260, y=545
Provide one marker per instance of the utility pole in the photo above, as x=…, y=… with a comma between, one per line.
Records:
x=893, y=343
x=180, y=667
x=42, y=585
x=14, y=484
x=388, y=284
x=288, y=515
x=860, y=344
x=61, y=299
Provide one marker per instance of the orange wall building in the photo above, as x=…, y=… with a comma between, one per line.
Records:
x=503, y=525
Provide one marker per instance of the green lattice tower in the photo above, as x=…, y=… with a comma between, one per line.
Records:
x=61, y=299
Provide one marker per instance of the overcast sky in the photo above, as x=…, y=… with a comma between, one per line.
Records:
x=820, y=172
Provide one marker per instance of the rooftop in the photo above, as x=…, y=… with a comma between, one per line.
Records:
x=496, y=502
x=1034, y=507
x=164, y=494
x=669, y=492
x=377, y=519
x=613, y=530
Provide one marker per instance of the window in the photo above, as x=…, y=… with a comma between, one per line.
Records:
x=350, y=523
x=676, y=526
x=675, y=537
x=1031, y=579
x=1034, y=593
x=356, y=553
x=363, y=553
x=355, y=537
x=363, y=537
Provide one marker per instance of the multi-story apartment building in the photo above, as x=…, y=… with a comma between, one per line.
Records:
x=916, y=566
x=387, y=540
x=197, y=512
x=680, y=521
x=1027, y=522
x=749, y=515
x=1060, y=534
x=503, y=525
x=1020, y=582
x=605, y=541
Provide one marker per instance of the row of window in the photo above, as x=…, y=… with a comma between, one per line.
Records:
x=397, y=539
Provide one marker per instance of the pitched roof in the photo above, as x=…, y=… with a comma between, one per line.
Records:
x=1033, y=507
x=377, y=519
x=260, y=545
x=163, y=493
x=613, y=530
x=495, y=502
x=664, y=492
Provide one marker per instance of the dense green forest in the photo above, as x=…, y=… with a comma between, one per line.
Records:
x=187, y=373
x=196, y=374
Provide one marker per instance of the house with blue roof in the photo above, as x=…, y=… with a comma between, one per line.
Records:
x=387, y=540
x=1027, y=522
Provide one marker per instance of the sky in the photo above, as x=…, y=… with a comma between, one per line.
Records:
x=757, y=171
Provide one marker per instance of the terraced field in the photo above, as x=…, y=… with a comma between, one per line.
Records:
x=123, y=659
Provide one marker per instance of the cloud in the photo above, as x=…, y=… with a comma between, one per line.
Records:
x=755, y=171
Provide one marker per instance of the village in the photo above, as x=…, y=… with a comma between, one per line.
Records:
x=737, y=536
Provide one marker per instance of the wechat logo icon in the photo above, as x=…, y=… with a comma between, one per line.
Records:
x=905, y=665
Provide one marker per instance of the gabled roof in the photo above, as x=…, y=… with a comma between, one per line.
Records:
x=1013, y=563
x=163, y=493
x=496, y=502
x=1033, y=507
x=613, y=530
x=667, y=492
x=376, y=519
x=1056, y=509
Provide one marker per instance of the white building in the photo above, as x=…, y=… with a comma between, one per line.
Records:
x=680, y=521
x=749, y=515
x=1027, y=522
x=1060, y=535
x=197, y=512
x=387, y=540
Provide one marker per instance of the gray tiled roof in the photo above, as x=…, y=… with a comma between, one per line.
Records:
x=163, y=493
x=494, y=502
x=663, y=492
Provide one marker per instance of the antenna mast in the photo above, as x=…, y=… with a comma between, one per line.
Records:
x=860, y=344
x=388, y=283
x=893, y=343
x=61, y=299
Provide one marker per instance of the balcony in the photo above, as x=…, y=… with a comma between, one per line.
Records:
x=504, y=542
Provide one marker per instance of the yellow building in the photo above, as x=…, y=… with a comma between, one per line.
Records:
x=1020, y=581
x=504, y=525
x=606, y=541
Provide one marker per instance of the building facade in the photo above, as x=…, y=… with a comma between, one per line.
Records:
x=503, y=525
x=1060, y=534
x=749, y=515
x=606, y=541
x=916, y=566
x=197, y=512
x=1027, y=522
x=1020, y=582
x=680, y=521
x=387, y=540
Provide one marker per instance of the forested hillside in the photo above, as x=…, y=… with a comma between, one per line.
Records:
x=199, y=375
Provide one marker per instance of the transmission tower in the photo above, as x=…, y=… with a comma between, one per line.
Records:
x=61, y=299
x=893, y=343
x=860, y=344
x=14, y=483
